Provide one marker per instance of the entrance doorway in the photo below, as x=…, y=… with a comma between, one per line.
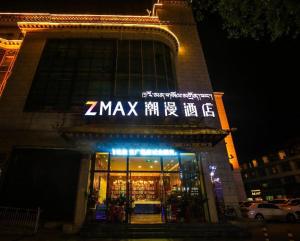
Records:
x=144, y=189
x=146, y=197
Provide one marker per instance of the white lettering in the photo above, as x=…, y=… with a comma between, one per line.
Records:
x=207, y=110
x=151, y=108
x=105, y=107
x=132, y=108
x=119, y=107
x=170, y=109
x=89, y=111
x=190, y=109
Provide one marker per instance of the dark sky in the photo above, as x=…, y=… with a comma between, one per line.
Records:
x=259, y=78
x=260, y=81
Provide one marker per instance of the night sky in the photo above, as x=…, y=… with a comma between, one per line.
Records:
x=259, y=78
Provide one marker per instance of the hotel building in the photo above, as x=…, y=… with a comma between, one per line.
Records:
x=113, y=118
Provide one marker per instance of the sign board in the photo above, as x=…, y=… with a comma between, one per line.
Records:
x=143, y=152
x=173, y=104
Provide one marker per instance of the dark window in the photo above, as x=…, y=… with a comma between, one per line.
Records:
x=285, y=167
x=262, y=172
x=290, y=180
x=268, y=206
x=273, y=170
x=72, y=71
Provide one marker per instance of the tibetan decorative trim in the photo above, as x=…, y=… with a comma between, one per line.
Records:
x=141, y=28
x=168, y=133
x=77, y=18
x=10, y=44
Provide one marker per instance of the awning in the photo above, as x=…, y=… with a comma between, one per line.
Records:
x=169, y=133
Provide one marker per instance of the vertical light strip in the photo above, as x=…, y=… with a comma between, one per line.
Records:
x=225, y=126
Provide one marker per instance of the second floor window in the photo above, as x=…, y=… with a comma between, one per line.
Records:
x=72, y=71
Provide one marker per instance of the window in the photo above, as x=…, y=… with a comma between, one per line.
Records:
x=281, y=155
x=101, y=161
x=267, y=205
x=289, y=180
x=254, y=163
x=265, y=159
x=261, y=172
x=273, y=170
x=72, y=71
x=285, y=167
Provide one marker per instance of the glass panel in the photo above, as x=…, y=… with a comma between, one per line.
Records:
x=146, y=193
x=72, y=71
x=172, y=183
x=135, y=68
x=101, y=162
x=145, y=186
x=116, y=201
x=100, y=186
x=172, y=187
x=170, y=164
x=118, y=163
x=117, y=184
x=122, y=75
x=144, y=164
x=190, y=173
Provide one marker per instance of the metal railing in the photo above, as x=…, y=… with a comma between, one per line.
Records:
x=20, y=218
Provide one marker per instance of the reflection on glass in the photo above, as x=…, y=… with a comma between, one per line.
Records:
x=101, y=161
x=118, y=164
x=172, y=183
x=188, y=162
x=170, y=164
x=144, y=164
x=190, y=174
x=117, y=184
x=100, y=185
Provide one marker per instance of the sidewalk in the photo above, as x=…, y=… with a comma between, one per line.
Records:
x=41, y=235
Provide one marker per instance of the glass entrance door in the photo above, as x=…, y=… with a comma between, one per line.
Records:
x=146, y=189
x=145, y=197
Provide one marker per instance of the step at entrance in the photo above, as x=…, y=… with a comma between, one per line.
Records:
x=163, y=231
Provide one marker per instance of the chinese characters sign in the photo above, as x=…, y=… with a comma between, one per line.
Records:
x=175, y=105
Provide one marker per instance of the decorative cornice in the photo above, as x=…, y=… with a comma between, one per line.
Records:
x=42, y=21
x=155, y=133
x=10, y=44
x=77, y=18
x=176, y=2
x=105, y=27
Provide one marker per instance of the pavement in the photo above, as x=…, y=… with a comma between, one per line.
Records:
x=275, y=231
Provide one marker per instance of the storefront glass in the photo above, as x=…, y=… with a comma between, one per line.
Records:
x=147, y=189
x=144, y=164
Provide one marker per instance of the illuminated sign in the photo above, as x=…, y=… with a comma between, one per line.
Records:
x=143, y=152
x=173, y=105
x=256, y=192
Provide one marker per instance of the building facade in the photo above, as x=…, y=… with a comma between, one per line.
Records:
x=113, y=118
x=274, y=175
